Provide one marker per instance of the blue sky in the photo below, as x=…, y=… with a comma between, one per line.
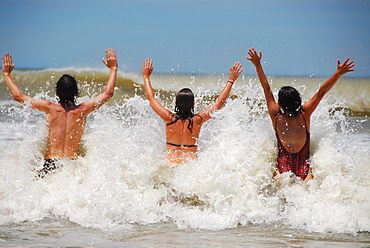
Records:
x=195, y=36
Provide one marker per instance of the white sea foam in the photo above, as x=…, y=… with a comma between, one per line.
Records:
x=121, y=180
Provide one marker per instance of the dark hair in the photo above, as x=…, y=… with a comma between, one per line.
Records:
x=290, y=100
x=184, y=108
x=67, y=90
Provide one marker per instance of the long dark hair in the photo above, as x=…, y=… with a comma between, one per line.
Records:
x=67, y=90
x=290, y=100
x=184, y=107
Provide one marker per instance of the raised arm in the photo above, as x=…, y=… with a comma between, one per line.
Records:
x=342, y=69
x=8, y=67
x=112, y=63
x=255, y=58
x=164, y=113
x=235, y=71
x=18, y=95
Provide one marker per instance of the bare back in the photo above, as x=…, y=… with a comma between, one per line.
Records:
x=65, y=127
x=179, y=133
x=182, y=142
x=65, y=124
x=291, y=131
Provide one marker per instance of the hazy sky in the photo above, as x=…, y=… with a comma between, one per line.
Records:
x=297, y=37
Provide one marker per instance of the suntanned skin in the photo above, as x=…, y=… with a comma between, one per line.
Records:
x=292, y=130
x=178, y=133
x=65, y=123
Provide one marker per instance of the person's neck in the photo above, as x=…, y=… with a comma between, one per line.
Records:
x=68, y=105
x=291, y=115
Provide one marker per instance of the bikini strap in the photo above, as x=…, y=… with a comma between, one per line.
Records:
x=177, y=145
x=305, y=123
x=176, y=118
x=277, y=116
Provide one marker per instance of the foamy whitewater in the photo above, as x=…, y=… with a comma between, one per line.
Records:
x=121, y=190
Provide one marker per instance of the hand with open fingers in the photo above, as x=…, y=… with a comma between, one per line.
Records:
x=148, y=67
x=255, y=57
x=111, y=59
x=345, y=67
x=235, y=71
x=8, y=65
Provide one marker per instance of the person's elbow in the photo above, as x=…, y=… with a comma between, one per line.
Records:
x=108, y=94
x=150, y=97
x=321, y=93
x=20, y=98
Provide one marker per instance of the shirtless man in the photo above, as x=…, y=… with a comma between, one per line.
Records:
x=183, y=127
x=291, y=119
x=66, y=120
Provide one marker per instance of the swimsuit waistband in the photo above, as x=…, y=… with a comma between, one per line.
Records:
x=177, y=145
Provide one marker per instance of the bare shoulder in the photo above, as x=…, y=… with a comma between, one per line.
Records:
x=171, y=118
x=55, y=108
x=199, y=118
x=43, y=105
x=89, y=106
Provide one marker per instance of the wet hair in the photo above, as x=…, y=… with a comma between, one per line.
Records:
x=67, y=90
x=184, y=107
x=290, y=100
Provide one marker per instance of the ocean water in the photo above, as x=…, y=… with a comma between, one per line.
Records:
x=121, y=194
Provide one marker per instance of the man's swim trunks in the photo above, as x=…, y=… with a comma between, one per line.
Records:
x=49, y=166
